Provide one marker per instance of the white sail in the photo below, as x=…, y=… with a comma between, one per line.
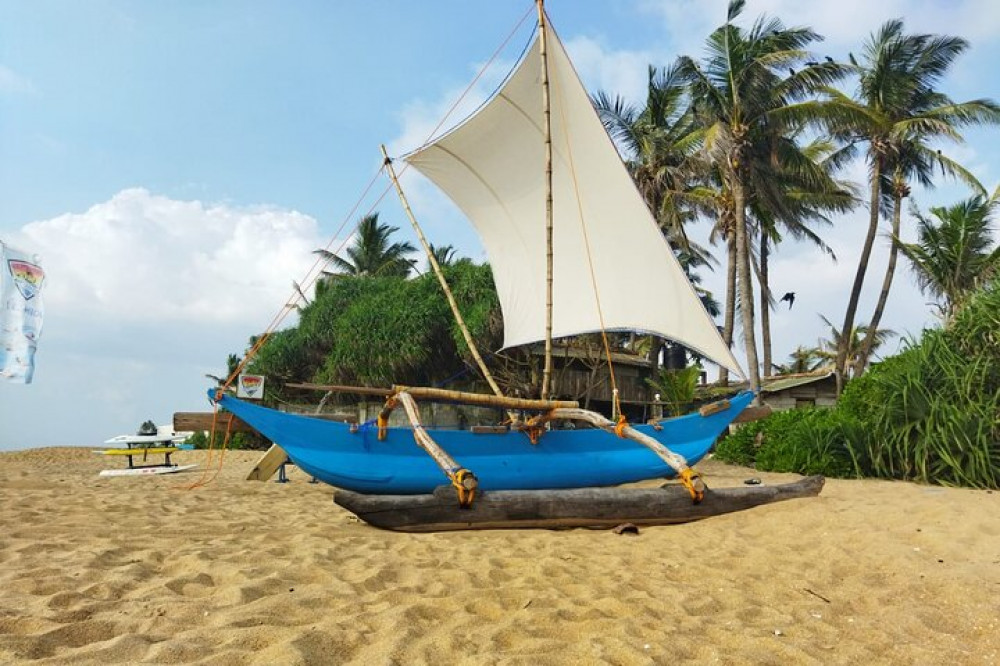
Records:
x=492, y=167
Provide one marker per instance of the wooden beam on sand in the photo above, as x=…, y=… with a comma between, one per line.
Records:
x=268, y=464
x=201, y=421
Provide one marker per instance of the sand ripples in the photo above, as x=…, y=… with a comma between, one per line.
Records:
x=97, y=571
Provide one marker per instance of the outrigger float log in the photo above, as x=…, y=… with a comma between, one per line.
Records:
x=572, y=507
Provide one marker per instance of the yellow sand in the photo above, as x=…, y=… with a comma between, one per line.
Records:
x=245, y=572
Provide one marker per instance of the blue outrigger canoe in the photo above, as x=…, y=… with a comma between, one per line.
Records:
x=353, y=458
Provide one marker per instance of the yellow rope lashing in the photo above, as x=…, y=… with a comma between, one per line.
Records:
x=693, y=482
x=465, y=483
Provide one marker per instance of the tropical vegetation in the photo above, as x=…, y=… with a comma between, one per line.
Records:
x=928, y=414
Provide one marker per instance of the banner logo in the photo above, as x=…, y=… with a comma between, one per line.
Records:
x=27, y=277
x=250, y=386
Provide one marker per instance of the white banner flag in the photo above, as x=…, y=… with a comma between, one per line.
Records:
x=21, y=279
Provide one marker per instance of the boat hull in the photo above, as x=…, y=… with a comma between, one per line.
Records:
x=355, y=459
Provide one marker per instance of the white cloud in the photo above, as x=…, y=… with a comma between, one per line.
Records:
x=617, y=72
x=144, y=295
x=144, y=257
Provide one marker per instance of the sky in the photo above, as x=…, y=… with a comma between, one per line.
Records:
x=173, y=165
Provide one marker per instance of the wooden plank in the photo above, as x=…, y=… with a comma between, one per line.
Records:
x=578, y=507
x=268, y=464
x=199, y=421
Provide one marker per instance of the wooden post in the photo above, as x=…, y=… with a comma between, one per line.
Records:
x=547, y=126
x=440, y=276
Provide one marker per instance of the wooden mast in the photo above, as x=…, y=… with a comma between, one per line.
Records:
x=440, y=276
x=547, y=125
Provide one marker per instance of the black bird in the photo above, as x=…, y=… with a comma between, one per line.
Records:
x=791, y=71
x=790, y=297
x=829, y=59
x=811, y=63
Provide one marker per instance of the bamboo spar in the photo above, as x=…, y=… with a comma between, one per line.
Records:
x=440, y=456
x=674, y=460
x=440, y=276
x=484, y=400
x=547, y=126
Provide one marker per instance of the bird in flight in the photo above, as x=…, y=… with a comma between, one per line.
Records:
x=790, y=297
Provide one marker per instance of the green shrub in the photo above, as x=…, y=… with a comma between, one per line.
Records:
x=740, y=446
x=929, y=414
x=197, y=439
x=807, y=441
x=677, y=388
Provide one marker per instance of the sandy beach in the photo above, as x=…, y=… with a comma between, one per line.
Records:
x=140, y=570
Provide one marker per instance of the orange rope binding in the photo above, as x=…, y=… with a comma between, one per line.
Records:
x=620, y=426
x=465, y=483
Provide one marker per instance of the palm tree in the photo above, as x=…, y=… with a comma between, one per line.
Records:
x=798, y=188
x=372, y=253
x=739, y=92
x=801, y=361
x=830, y=347
x=953, y=257
x=444, y=255
x=898, y=112
x=910, y=163
x=232, y=363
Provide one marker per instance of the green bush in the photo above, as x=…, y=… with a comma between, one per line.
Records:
x=807, y=441
x=929, y=414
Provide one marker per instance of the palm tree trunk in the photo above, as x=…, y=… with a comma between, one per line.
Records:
x=730, y=315
x=859, y=279
x=746, y=287
x=869, y=341
x=765, y=306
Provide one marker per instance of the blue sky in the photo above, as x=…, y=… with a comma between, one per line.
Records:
x=173, y=164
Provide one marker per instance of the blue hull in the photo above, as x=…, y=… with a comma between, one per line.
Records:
x=579, y=458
